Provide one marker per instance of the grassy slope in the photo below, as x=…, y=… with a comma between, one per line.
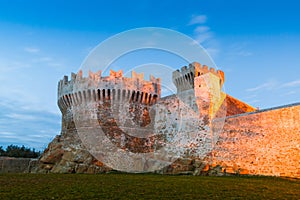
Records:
x=131, y=186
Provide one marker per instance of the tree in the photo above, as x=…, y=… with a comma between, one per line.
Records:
x=19, y=152
x=2, y=152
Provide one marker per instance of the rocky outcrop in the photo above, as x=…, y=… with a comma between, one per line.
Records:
x=66, y=154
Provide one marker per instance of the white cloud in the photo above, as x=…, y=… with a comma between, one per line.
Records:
x=251, y=96
x=56, y=64
x=265, y=86
x=42, y=59
x=239, y=49
x=289, y=93
x=292, y=84
x=243, y=53
x=253, y=101
x=21, y=116
x=6, y=133
x=198, y=19
x=203, y=37
x=212, y=51
x=49, y=61
x=202, y=34
x=201, y=29
x=29, y=128
x=31, y=49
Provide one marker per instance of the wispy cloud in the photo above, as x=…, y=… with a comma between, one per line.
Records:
x=239, y=49
x=274, y=85
x=31, y=49
x=198, y=19
x=55, y=64
x=289, y=93
x=251, y=96
x=47, y=60
x=243, y=53
x=42, y=59
x=253, y=101
x=202, y=33
x=203, y=37
x=264, y=86
x=292, y=84
x=2, y=133
x=201, y=29
x=212, y=51
x=27, y=127
x=21, y=116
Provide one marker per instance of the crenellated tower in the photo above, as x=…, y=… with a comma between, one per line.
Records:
x=200, y=87
x=184, y=78
x=115, y=87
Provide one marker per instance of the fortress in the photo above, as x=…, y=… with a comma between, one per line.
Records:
x=209, y=131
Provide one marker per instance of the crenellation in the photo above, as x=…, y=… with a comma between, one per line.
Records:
x=73, y=76
x=91, y=75
x=212, y=70
x=205, y=68
x=95, y=88
x=222, y=76
x=65, y=80
x=154, y=80
x=184, y=69
x=79, y=75
x=137, y=76
x=184, y=78
x=115, y=74
x=196, y=65
x=98, y=75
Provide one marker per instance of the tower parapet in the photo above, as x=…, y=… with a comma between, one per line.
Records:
x=115, y=87
x=184, y=78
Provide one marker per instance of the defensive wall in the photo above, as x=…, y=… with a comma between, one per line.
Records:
x=246, y=141
x=265, y=142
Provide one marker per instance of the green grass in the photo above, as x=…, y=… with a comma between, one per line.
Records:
x=144, y=186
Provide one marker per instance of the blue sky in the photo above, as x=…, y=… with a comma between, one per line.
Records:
x=256, y=44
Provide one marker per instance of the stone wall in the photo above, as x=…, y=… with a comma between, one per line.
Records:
x=235, y=106
x=17, y=165
x=266, y=142
x=126, y=125
x=123, y=116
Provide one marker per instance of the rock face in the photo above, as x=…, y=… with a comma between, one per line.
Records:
x=212, y=132
x=66, y=154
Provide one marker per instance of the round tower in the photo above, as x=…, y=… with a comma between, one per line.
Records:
x=95, y=91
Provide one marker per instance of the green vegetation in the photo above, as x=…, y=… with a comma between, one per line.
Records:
x=144, y=186
x=19, y=152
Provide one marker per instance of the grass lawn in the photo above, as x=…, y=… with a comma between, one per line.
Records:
x=144, y=186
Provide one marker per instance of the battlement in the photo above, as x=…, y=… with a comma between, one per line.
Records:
x=184, y=78
x=112, y=75
x=115, y=87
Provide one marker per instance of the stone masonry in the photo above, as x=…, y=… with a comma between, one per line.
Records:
x=223, y=135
